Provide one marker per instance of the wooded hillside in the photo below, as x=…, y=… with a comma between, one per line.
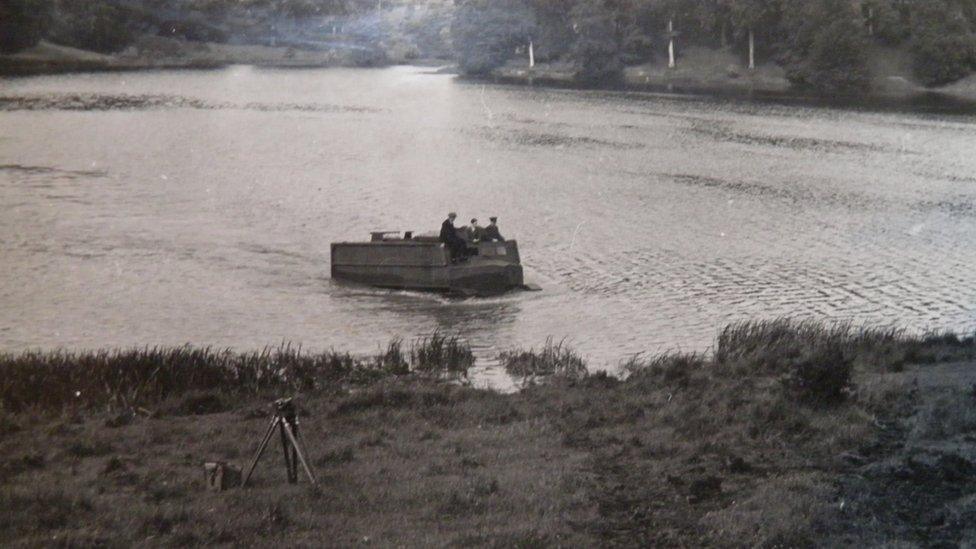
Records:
x=821, y=43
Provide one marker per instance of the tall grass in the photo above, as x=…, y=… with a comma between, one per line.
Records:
x=668, y=368
x=60, y=380
x=437, y=354
x=393, y=360
x=553, y=360
x=765, y=342
x=817, y=359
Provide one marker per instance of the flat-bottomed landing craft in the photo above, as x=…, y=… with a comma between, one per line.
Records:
x=422, y=262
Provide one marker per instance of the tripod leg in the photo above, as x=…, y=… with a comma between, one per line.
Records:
x=298, y=450
x=290, y=465
x=294, y=452
x=261, y=447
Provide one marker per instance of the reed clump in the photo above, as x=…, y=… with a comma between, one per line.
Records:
x=126, y=379
x=817, y=360
x=554, y=360
x=766, y=344
x=439, y=354
x=393, y=360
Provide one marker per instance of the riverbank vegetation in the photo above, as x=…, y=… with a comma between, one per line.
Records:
x=39, y=36
x=823, y=45
x=788, y=434
x=852, y=47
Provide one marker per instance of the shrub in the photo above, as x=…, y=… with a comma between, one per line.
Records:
x=819, y=374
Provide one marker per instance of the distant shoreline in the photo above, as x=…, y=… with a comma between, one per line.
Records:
x=704, y=73
x=714, y=73
x=925, y=100
x=167, y=54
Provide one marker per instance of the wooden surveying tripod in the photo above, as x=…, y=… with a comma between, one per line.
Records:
x=285, y=419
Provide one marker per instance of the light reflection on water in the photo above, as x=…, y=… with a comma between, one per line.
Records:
x=174, y=207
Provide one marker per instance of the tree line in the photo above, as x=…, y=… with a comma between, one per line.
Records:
x=109, y=26
x=822, y=44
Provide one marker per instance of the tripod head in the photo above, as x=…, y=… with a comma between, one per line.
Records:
x=285, y=408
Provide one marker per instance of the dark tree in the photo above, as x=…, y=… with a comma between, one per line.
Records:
x=597, y=49
x=756, y=26
x=888, y=21
x=487, y=32
x=943, y=42
x=22, y=23
x=553, y=33
x=827, y=48
x=95, y=26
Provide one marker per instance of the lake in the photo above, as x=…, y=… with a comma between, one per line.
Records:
x=172, y=207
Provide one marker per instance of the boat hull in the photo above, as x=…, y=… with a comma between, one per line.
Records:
x=424, y=266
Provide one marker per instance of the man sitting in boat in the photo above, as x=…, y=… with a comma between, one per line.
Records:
x=474, y=232
x=490, y=233
x=454, y=243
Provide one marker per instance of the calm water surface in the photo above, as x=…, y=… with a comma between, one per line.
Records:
x=198, y=207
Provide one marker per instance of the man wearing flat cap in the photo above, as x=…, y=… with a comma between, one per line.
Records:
x=490, y=233
x=457, y=246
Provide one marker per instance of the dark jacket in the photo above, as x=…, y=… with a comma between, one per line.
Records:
x=449, y=233
x=491, y=233
x=475, y=234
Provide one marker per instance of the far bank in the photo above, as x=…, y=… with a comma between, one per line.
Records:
x=717, y=72
x=153, y=53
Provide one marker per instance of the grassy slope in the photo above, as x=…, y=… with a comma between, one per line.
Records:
x=687, y=451
x=415, y=464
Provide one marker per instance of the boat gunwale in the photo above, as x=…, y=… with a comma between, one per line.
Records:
x=390, y=243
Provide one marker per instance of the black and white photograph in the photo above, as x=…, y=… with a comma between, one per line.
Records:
x=488, y=273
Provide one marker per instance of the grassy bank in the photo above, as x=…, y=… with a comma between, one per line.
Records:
x=789, y=434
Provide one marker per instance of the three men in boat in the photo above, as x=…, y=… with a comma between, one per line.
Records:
x=457, y=245
x=474, y=232
x=490, y=233
x=449, y=236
